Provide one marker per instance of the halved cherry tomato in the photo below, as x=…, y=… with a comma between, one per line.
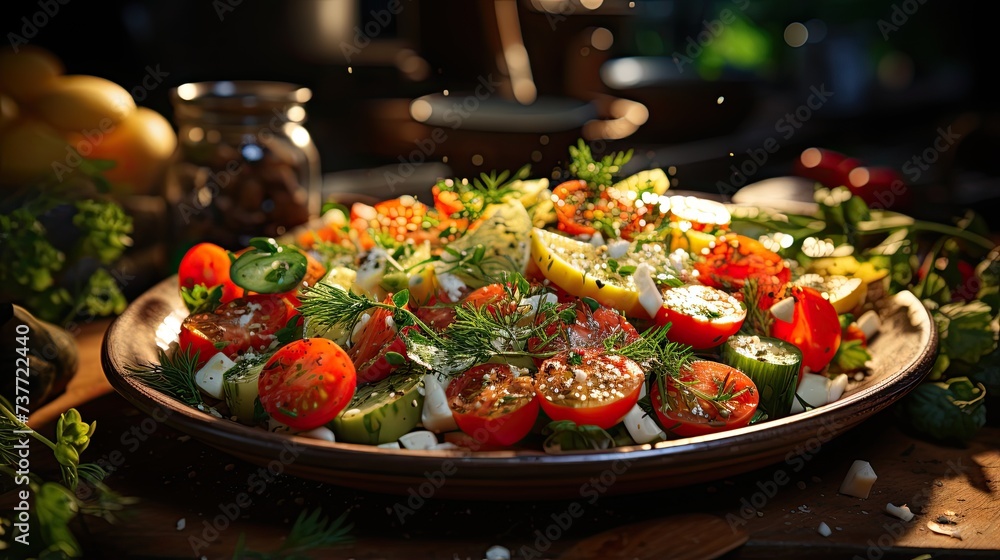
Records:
x=578, y=208
x=589, y=387
x=706, y=398
x=854, y=332
x=307, y=383
x=207, y=264
x=736, y=258
x=590, y=330
x=493, y=404
x=814, y=329
x=447, y=203
x=701, y=317
x=377, y=337
x=247, y=323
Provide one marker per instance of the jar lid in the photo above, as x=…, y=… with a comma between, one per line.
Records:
x=240, y=100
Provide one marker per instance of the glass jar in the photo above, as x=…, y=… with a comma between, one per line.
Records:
x=245, y=167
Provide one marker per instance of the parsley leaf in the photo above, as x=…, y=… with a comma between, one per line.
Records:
x=967, y=330
x=950, y=411
x=851, y=356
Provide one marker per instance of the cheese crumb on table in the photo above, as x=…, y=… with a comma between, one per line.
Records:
x=859, y=480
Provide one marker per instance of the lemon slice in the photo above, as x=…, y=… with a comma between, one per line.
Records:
x=844, y=293
x=654, y=180
x=583, y=270
x=503, y=235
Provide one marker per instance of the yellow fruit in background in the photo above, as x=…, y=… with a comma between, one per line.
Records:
x=28, y=149
x=84, y=104
x=26, y=74
x=140, y=146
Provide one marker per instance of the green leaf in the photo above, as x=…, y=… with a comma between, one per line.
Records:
x=401, y=298
x=264, y=244
x=967, y=330
x=934, y=288
x=950, y=411
x=55, y=507
x=851, y=356
x=200, y=299
x=395, y=358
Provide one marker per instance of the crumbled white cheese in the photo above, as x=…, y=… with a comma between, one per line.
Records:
x=902, y=512
x=618, y=248
x=209, y=378
x=597, y=240
x=784, y=310
x=436, y=415
x=859, y=480
x=649, y=295
x=869, y=323
x=321, y=433
x=835, y=388
x=419, y=440
x=947, y=530
x=813, y=390
x=452, y=285
x=360, y=325
x=390, y=445
x=824, y=529
x=181, y=523
x=641, y=426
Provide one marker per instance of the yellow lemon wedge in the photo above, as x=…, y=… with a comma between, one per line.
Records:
x=844, y=293
x=584, y=270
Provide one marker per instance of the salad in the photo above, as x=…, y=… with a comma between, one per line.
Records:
x=600, y=311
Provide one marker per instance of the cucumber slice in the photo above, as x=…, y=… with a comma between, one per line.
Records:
x=239, y=386
x=381, y=412
x=772, y=364
x=269, y=268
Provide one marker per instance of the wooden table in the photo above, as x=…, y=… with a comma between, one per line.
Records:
x=176, y=478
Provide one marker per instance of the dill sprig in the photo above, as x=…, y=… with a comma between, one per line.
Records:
x=658, y=357
x=172, y=375
x=758, y=321
x=310, y=531
x=479, y=193
x=597, y=173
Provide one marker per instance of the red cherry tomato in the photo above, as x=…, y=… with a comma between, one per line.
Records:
x=814, y=329
x=734, y=258
x=307, y=383
x=706, y=398
x=588, y=387
x=494, y=405
x=377, y=337
x=590, y=330
x=700, y=316
x=207, y=264
x=239, y=325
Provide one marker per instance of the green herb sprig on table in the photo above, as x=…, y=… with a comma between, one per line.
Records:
x=56, y=504
x=310, y=531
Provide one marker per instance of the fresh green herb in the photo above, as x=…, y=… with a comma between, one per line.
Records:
x=851, y=356
x=200, y=299
x=758, y=321
x=172, y=375
x=311, y=531
x=473, y=197
x=967, y=330
x=56, y=504
x=57, y=280
x=291, y=331
x=565, y=435
x=597, y=173
x=575, y=359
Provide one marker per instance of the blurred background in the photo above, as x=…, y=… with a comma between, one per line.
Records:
x=397, y=93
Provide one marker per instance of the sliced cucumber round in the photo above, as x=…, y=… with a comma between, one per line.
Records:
x=381, y=412
x=239, y=385
x=772, y=364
